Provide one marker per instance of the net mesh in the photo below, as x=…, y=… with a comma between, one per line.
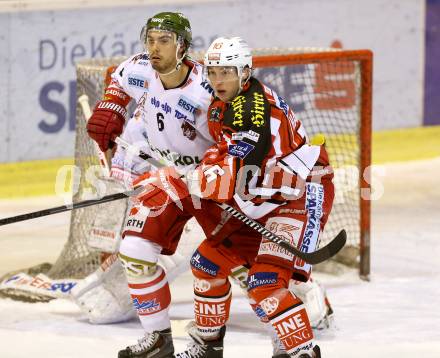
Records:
x=326, y=97
x=325, y=106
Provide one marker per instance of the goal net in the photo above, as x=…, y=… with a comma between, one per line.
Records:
x=330, y=92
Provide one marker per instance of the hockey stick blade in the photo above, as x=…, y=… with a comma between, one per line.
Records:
x=63, y=208
x=312, y=258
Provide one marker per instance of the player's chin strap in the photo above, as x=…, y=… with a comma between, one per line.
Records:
x=242, y=83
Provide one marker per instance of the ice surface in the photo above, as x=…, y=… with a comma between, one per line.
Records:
x=396, y=314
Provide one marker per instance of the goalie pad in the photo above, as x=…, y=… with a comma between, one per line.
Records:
x=315, y=300
x=41, y=288
x=106, y=229
x=105, y=232
x=103, y=295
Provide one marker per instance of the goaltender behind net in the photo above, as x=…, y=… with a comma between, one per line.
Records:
x=170, y=77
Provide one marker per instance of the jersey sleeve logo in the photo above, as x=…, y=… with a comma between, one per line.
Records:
x=137, y=81
x=251, y=135
x=214, y=115
x=241, y=149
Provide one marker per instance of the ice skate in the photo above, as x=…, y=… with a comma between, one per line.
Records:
x=327, y=322
x=316, y=353
x=278, y=349
x=199, y=348
x=158, y=344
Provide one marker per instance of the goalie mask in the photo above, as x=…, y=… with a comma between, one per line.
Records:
x=230, y=52
x=170, y=22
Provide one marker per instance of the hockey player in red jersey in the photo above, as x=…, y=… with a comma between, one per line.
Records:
x=263, y=164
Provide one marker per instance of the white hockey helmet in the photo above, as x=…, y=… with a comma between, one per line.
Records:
x=230, y=51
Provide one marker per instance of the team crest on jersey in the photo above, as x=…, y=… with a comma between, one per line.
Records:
x=214, y=115
x=188, y=130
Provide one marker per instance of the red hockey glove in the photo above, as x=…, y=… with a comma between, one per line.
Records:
x=215, y=182
x=161, y=187
x=214, y=179
x=106, y=123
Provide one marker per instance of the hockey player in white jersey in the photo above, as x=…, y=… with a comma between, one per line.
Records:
x=172, y=99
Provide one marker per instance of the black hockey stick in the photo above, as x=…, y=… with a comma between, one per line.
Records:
x=63, y=208
x=313, y=258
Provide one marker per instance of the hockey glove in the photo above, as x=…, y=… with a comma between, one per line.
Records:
x=161, y=187
x=106, y=123
x=214, y=178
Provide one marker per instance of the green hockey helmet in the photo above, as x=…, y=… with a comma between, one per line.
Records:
x=169, y=21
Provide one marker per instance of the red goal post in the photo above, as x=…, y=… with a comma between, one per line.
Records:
x=335, y=59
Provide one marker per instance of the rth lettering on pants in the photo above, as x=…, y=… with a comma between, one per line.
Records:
x=135, y=224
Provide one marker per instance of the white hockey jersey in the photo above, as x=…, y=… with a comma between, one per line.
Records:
x=169, y=124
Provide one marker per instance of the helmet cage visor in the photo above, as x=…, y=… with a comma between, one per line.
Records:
x=221, y=73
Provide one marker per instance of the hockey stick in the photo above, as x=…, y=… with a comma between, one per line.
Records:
x=63, y=208
x=313, y=258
